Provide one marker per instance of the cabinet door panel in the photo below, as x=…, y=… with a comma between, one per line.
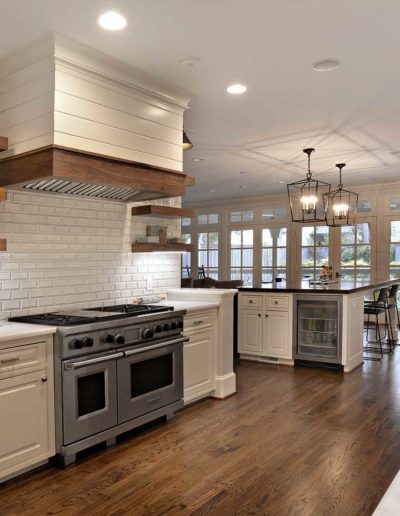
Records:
x=199, y=363
x=276, y=334
x=24, y=419
x=251, y=330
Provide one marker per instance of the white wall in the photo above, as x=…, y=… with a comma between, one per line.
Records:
x=65, y=253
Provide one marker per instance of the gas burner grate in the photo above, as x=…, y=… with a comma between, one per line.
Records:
x=132, y=309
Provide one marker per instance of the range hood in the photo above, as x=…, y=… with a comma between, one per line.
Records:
x=82, y=123
x=64, y=171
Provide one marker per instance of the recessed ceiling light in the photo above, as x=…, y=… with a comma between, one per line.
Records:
x=243, y=187
x=244, y=173
x=326, y=65
x=281, y=182
x=111, y=20
x=212, y=191
x=236, y=89
x=189, y=62
x=198, y=160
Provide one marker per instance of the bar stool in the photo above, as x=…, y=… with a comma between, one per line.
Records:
x=375, y=308
x=392, y=303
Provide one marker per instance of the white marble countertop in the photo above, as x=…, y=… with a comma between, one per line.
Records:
x=190, y=306
x=13, y=330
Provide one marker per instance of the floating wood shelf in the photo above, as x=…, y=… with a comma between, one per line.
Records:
x=152, y=210
x=140, y=247
x=3, y=143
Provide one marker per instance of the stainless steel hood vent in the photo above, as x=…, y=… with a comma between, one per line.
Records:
x=63, y=186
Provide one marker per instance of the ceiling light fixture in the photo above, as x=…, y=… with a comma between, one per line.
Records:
x=199, y=160
x=326, y=65
x=236, y=89
x=340, y=204
x=186, y=143
x=112, y=20
x=306, y=197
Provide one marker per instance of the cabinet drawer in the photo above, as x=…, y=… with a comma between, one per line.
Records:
x=22, y=359
x=277, y=302
x=198, y=321
x=252, y=300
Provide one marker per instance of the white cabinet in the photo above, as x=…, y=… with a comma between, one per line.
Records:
x=251, y=331
x=199, y=355
x=265, y=326
x=276, y=334
x=26, y=406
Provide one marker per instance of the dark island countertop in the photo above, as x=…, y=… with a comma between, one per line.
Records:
x=342, y=287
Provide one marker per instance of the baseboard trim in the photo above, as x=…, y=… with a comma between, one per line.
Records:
x=225, y=386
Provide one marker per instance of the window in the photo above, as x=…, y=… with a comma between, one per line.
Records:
x=208, y=253
x=207, y=218
x=364, y=206
x=395, y=204
x=242, y=216
x=355, y=252
x=242, y=255
x=274, y=213
x=314, y=250
x=186, y=221
x=186, y=258
x=274, y=242
x=394, y=262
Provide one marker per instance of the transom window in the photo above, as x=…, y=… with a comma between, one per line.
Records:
x=273, y=213
x=242, y=255
x=207, y=218
x=274, y=242
x=314, y=250
x=242, y=216
x=208, y=253
x=355, y=252
x=394, y=262
x=186, y=221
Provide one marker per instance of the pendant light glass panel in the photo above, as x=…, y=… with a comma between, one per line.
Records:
x=340, y=205
x=306, y=197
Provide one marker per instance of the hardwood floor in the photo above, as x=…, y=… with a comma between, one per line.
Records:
x=291, y=442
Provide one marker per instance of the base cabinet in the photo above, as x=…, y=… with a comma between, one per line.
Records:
x=199, y=356
x=26, y=408
x=265, y=326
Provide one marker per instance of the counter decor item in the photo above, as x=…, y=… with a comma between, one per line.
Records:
x=306, y=197
x=154, y=230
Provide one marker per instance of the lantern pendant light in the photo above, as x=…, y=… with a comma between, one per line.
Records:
x=306, y=197
x=340, y=204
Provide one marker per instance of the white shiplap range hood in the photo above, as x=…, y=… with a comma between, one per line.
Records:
x=81, y=123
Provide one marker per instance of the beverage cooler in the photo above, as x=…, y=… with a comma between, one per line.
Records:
x=317, y=329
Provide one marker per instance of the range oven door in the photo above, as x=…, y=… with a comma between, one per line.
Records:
x=150, y=378
x=89, y=395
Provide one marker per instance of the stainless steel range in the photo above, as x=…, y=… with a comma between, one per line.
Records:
x=116, y=368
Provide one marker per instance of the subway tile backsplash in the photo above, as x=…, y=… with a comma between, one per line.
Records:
x=74, y=253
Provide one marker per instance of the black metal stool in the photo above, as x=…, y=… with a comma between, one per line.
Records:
x=376, y=307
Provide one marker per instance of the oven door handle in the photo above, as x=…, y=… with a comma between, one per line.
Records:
x=156, y=346
x=76, y=365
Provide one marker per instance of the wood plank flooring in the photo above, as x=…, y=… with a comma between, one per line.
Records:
x=291, y=442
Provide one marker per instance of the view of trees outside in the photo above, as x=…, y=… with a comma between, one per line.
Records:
x=356, y=252
x=208, y=253
x=186, y=257
x=274, y=242
x=394, y=263
x=314, y=250
x=242, y=255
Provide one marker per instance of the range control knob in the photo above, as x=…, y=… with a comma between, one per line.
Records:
x=173, y=325
x=87, y=342
x=76, y=344
x=165, y=327
x=180, y=324
x=119, y=339
x=157, y=328
x=108, y=338
x=147, y=333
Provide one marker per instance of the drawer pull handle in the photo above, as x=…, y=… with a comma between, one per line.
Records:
x=266, y=315
x=250, y=301
x=9, y=360
x=153, y=400
x=44, y=380
x=196, y=323
x=276, y=302
x=259, y=315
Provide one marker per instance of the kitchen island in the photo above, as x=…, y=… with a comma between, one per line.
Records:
x=295, y=322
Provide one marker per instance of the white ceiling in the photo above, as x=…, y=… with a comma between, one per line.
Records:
x=351, y=114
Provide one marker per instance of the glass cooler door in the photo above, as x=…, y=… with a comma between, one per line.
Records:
x=318, y=329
